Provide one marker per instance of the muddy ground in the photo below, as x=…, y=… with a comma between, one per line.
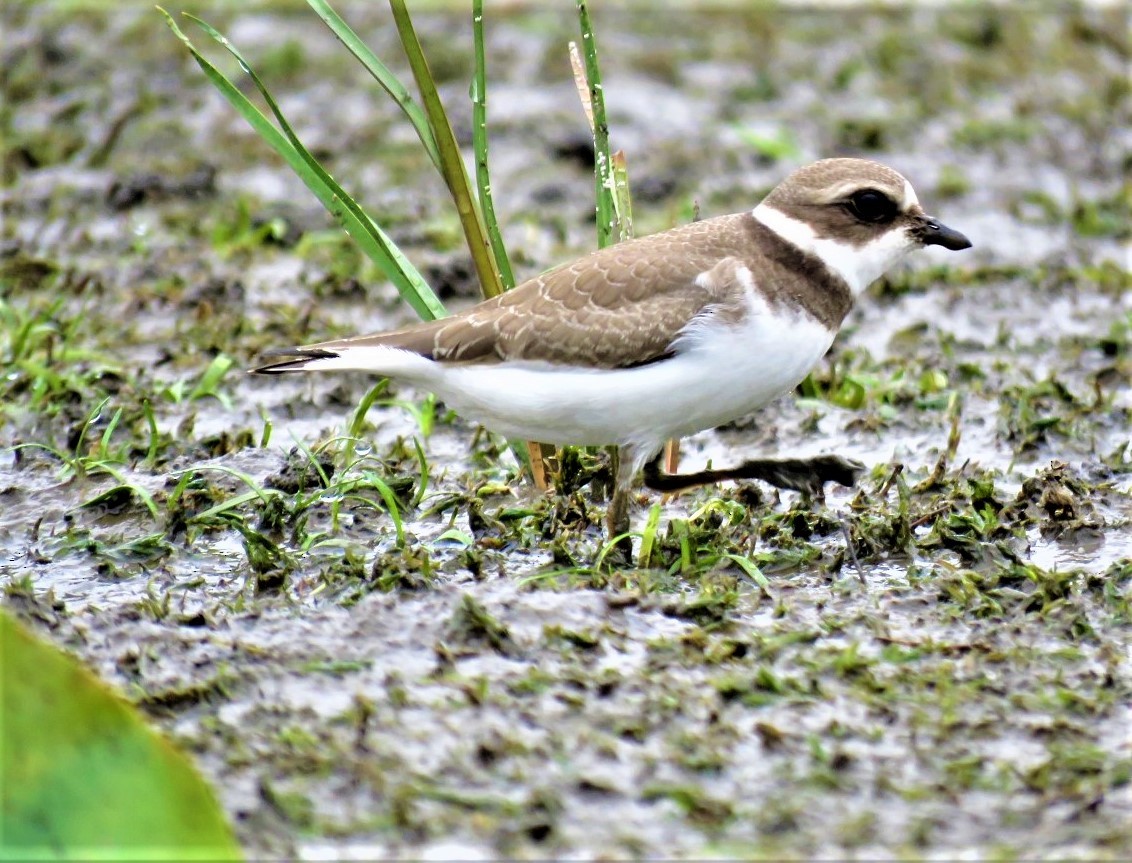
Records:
x=467, y=679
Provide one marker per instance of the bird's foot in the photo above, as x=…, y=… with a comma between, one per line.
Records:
x=807, y=475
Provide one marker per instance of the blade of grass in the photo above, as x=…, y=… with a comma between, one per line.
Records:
x=354, y=429
x=648, y=537
x=256, y=491
x=316, y=465
x=265, y=436
x=611, y=173
x=225, y=506
x=536, y=453
x=151, y=423
x=751, y=570
x=451, y=162
x=422, y=461
x=381, y=73
x=392, y=504
x=374, y=242
x=210, y=380
x=107, y=434
x=612, y=543
x=91, y=418
x=144, y=496
x=479, y=142
x=343, y=207
x=603, y=169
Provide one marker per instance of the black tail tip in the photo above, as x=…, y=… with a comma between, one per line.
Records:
x=295, y=360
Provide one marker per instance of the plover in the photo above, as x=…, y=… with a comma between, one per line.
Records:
x=664, y=335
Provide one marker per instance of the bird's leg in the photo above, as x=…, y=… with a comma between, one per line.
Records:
x=617, y=516
x=807, y=475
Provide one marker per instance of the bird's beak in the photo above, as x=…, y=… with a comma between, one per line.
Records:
x=933, y=232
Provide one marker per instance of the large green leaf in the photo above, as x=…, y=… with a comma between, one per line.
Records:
x=83, y=777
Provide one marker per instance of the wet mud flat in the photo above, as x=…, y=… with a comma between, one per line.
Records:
x=934, y=664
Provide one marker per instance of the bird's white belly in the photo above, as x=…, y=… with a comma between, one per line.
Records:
x=722, y=374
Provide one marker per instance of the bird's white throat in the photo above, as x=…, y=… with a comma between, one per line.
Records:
x=859, y=266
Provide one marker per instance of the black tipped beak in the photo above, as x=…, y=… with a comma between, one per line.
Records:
x=934, y=233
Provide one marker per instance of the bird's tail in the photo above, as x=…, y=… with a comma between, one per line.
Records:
x=344, y=356
x=293, y=360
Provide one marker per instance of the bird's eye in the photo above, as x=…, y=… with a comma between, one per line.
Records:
x=869, y=205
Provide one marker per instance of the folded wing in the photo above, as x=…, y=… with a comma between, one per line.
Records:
x=620, y=307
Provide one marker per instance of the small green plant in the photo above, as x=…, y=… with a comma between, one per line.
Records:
x=94, y=456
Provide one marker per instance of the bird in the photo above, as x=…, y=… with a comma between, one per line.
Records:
x=664, y=335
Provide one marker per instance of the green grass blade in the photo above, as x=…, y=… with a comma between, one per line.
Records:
x=610, y=544
x=451, y=162
x=373, y=241
x=344, y=207
x=484, y=242
x=91, y=418
x=323, y=476
x=225, y=506
x=392, y=504
x=255, y=490
x=422, y=461
x=381, y=73
x=144, y=496
x=479, y=140
x=265, y=436
x=154, y=435
x=104, y=442
x=611, y=175
x=354, y=429
x=751, y=570
x=210, y=380
x=611, y=179
x=648, y=537
x=603, y=165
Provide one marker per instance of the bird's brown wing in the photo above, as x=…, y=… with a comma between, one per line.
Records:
x=622, y=306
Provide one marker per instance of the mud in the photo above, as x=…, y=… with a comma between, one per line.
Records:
x=933, y=665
